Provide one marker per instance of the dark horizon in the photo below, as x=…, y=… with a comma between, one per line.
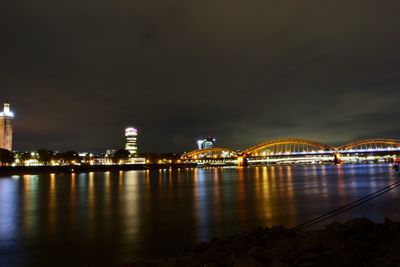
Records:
x=77, y=73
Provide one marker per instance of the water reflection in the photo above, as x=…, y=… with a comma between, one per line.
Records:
x=52, y=208
x=8, y=208
x=72, y=216
x=105, y=216
x=131, y=204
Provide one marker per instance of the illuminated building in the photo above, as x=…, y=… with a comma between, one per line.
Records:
x=206, y=143
x=131, y=141
x=6, y=130
x=110, y=152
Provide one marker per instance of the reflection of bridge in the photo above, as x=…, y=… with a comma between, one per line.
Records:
x=297, y=150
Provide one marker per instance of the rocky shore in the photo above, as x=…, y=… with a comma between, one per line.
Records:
x=358, y=242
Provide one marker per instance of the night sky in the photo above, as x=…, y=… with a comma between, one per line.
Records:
x=76, y=72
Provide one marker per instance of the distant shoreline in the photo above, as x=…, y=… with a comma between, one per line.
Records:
x=27, y=170
x=21, y=170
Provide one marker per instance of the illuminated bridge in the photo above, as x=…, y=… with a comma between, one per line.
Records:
x=298, y=150
x=289, y=146
x=211, y=156
x=371, y=145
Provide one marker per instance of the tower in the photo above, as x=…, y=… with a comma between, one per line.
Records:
x=206, y=143
x=131, y=141
x=6, y=129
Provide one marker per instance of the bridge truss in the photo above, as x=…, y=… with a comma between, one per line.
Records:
x=210, y=153
x=298, y=150
x=288, y=146
x=371, y=145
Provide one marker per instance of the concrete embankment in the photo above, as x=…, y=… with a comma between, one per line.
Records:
x=358, y=242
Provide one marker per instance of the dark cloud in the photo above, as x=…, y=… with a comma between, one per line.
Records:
x=78, y=72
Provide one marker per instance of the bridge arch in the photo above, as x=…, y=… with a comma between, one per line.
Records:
x=287, y=146
x=375, y=144
x=209, y=153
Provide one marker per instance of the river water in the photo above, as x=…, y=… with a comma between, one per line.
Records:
x=100, y=218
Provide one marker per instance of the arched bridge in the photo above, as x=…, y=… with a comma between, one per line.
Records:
x=298, y=150
x=377, y=145
x=288, y=146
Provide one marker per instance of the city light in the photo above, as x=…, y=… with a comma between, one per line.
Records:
x=273, y=151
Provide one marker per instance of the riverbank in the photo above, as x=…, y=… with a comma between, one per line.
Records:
x=358, y=242
x=20, y=170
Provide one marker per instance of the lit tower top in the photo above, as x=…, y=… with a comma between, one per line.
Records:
x=131, y=141
x=6, y=127
x=7, y=112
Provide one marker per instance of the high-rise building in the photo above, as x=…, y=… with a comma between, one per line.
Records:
x=131, y=141
x=206, y=143
x=6, y=127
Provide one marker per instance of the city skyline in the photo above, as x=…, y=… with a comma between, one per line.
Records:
x=179, y=71
x=130, y=138
x=199, y=133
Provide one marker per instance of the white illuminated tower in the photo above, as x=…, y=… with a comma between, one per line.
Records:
x=206, y=143
x=131, y=141
x=6, y=127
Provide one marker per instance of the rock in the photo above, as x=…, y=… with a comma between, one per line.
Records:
x=278, y=263
x=358, y=228
x=246, y=261
x=334, y=227
x=392, y=227
x=200, y=247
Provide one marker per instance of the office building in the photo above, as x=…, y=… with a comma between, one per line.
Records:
x=206, y=143
x=131, y=135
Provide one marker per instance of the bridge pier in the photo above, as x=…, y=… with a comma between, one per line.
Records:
x=242, y=161
x=337, y=159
